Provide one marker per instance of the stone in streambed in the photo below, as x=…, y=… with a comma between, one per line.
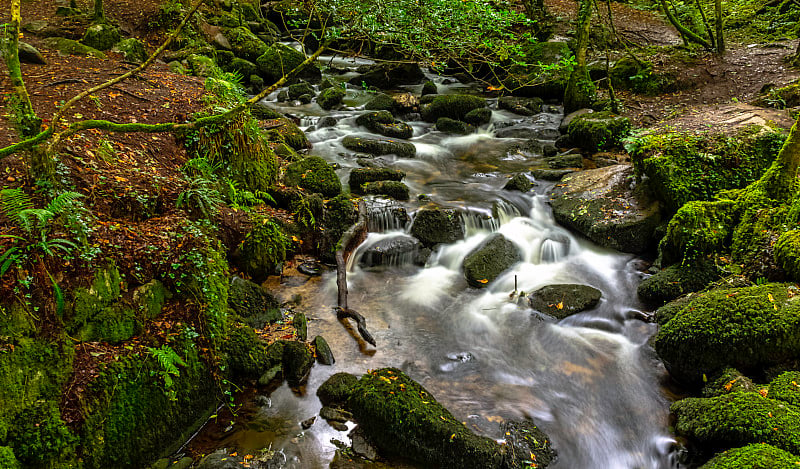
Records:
x=434, y=225
x=394, y=189
x=562, y=300
x=336, y=389
x=324, y=353
x=384, y=123
x=490, y=259
x=361, y=176
x=518, y=182
x=297, y=363
x=331, y=97
x=521, y=106
x=453, y=126
x=377, y=147
x=452, y=106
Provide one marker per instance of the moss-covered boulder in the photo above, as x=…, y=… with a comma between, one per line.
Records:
x=600, y=204
x=402, y=419
x=786, y=388
x=377, y=146
x=785, y=97
x=289, y=133
x=132, y=49
x=244, y=43
x=697, y=230
x=245, y=67
x=738, y=419
x=313, y=174
x=562, y=300
x=203, y=66
x=101, y=36
x=435, y=225
x=677, y=280
x=639, y=77
x=299, y=89
x=381, y=102
x=684, y=167
x=454, y=106
x=487, y=261
x=336, y=390
x=453, y=126
x=263, y=250
x=361, y=176
x=754, y=456
x=478, y=117
x=727, y=381
x=394, y=189
x=300, y=324
x=387, y=76
x=746, y=328
x=598, y=130
x=280, y=59
x=429, y=87
x=7, y=458
x=297, y=363
x=521, y=106
x=384, y=123
x=246, y=355
x=518, y=182
x=253, y=303
x=787, y=253
x=323, y=352
x=339, y=215
x=66, y=46
x=331, y=97
x=40, y=437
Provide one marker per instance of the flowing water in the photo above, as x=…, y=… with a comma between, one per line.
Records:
x=590, y=381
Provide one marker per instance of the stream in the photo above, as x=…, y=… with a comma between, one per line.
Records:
x=589, y=381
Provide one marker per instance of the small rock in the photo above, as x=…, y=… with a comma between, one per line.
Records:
x=519, y=182
x=30, y=54
x=306, y=424
x=324, y=353
x=332, y=414
x=564, y=300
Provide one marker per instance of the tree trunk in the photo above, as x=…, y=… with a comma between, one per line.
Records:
x=28, y=124
x=720, y=37
x=780, y=180
x=685, y=32
x=99, y=13
x=580, y=92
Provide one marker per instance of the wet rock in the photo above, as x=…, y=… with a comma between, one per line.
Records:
x=310, y=268
x=394, y=189
x=455, y=106
x=429, y=88
x=527, y=444
x=434, y=225
x=521, y=106
x=336, y=389
x=221, y=460
x=324, y=353
x=601, y=162
x=331, y=97
x=453, y=126
x=297, y=363
x=361, y=446
x=601, y=205
x=571, y=117
x=101, y=36
x=518, y=182
x=397, y=250
x=527, y=131
x=315, y=175
x=307, y=423
x=381, y=102
x=384, y=123
x=333, y=414
x=745, y=328
x=564, y=300
x=325, y=122
x=478, y=117
x=270, y=375
x=406, y=103
x=253, y=303
x=427, y=433
x=676, y=280
x=550, y=174
x=378, y=147
x=263, y=111
x=300, y=324
x=30, y=54
x=491, y=258
x=390, y=75
x=598, y=130
x=299, y=89
x=361, y=176
x=565, y=161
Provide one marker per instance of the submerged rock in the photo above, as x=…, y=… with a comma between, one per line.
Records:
x=491, y=258
x=600, y=204
x=564, y=300
x=453, y=126
x=518, y=182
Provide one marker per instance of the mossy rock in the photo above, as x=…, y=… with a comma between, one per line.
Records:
x=263, y=111
x=323, y=352
x=521, y=106
x=253, y=303
x=243, y=66
x=339, y=215
x=96, y=314
x=112, y=324
x=39, y=436
x=299, y=89
x=738, y=419
x=149, y=298
x=478, y=117
x=528, y=444
x=280, y=59
x=132, y=49
x=434, y=225
x=263, y=250
x=598, y=130
x=384, y=123
x=246, y=354
x=101, y=36
x=787, y=253
x=336, y=389
x=361, y=176
x=7, y=458
x=754, y=456
x=331, y=97
x=203, y=66
x=697, y=230
x=244, y=43
x=300, y=324
x=562, y=300
x=677, y=280
x=454, y=106
x=297, y=363
x=402, y=419
x=639, y=77
x=390, y=75
x=669, y=310
x=780, y=98
x=727, y=381
x=453, y=126
x=746, y=328
x=394, y=189
x=381, y=102
x=289, y=133
x=518, y=182
x=69, y=47
x=313, y=174
x=487, y=261
x=429, y=87
x=377, y=147
x=786, y=388
x=16, y=321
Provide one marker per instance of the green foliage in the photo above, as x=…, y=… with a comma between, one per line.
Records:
x=698, y=230
x=201, y=199
x=7, y=458
x=39, y=435
x=263, y=249
x=313, y=174
x=753, y=456
x=168, y=361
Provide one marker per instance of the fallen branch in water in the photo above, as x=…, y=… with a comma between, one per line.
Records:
x=348, y=242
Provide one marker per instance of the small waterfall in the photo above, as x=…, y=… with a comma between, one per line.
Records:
x=478, y=222
x=554, y=249
x=385, y=215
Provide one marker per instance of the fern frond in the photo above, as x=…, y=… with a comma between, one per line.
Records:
x=63, y=201
x=13, y=202
x=28, y=216
x=167, y=358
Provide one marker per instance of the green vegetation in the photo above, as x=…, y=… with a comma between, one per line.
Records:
x=754, y=456
x=313, y=174
x=598, y=130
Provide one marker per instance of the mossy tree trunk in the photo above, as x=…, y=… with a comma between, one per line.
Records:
x=28, y=124
x=687, y=34
x=780, y=180
x=720, y=38
x=580, y=92
x=99, y=12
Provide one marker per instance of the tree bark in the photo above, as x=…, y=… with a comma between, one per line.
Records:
x=720, y=37
x=99, y=12
x=28, y=124
x=580, y=92
x=685, y=32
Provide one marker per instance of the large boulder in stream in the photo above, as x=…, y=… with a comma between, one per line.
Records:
x=402, y=419
x=747, y=328
x=435, y=225
x=492, y=257
x=390, y=75
x=455, y=106
x=562, y=300
x=361, y=176
x=754, y=456
x=377, y=146
x=601, y=205
x=384, y=123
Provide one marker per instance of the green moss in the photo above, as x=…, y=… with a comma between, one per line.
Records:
x=101, y=36
x=112, y=324
x=132, y=49
x=787, y=253
x=639, y=77
x=263, y=249
x=245, y=67
x=677, y=280
x=755, y=456
x=300, y=325
x=698, y=229
x=7, y=458
x=150, y=298
x=394, y=189
x=738, y=419
x=479, y=116
x=452, y=126
x=69, y=47
x=207, y=279
x=381, y=102
x=246, y=355
x=360, y=176
x=745, y=328
x=377, y=147
x=336, y=389
x=429, y=87
x=133, y=415
x=727, y=381
x=598, y=130
x=16, y=321
x=331, y=97
x=761, y=222
x=786, y=388
x=384, y=123
x=402, y=419
x=780, y=98
x=433, y=226
x=202, y=66
x=313, y=174
x=297, y=362
x=454, y=106
x=253, y=303
x=244, y=43
x=683, y=167
x=279, y=59
x=39, y=436
x=290, y=134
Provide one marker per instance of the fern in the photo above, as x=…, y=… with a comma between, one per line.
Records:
x=13, y=202
x=63, y=202
x=167, y=358
x=33, y=219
